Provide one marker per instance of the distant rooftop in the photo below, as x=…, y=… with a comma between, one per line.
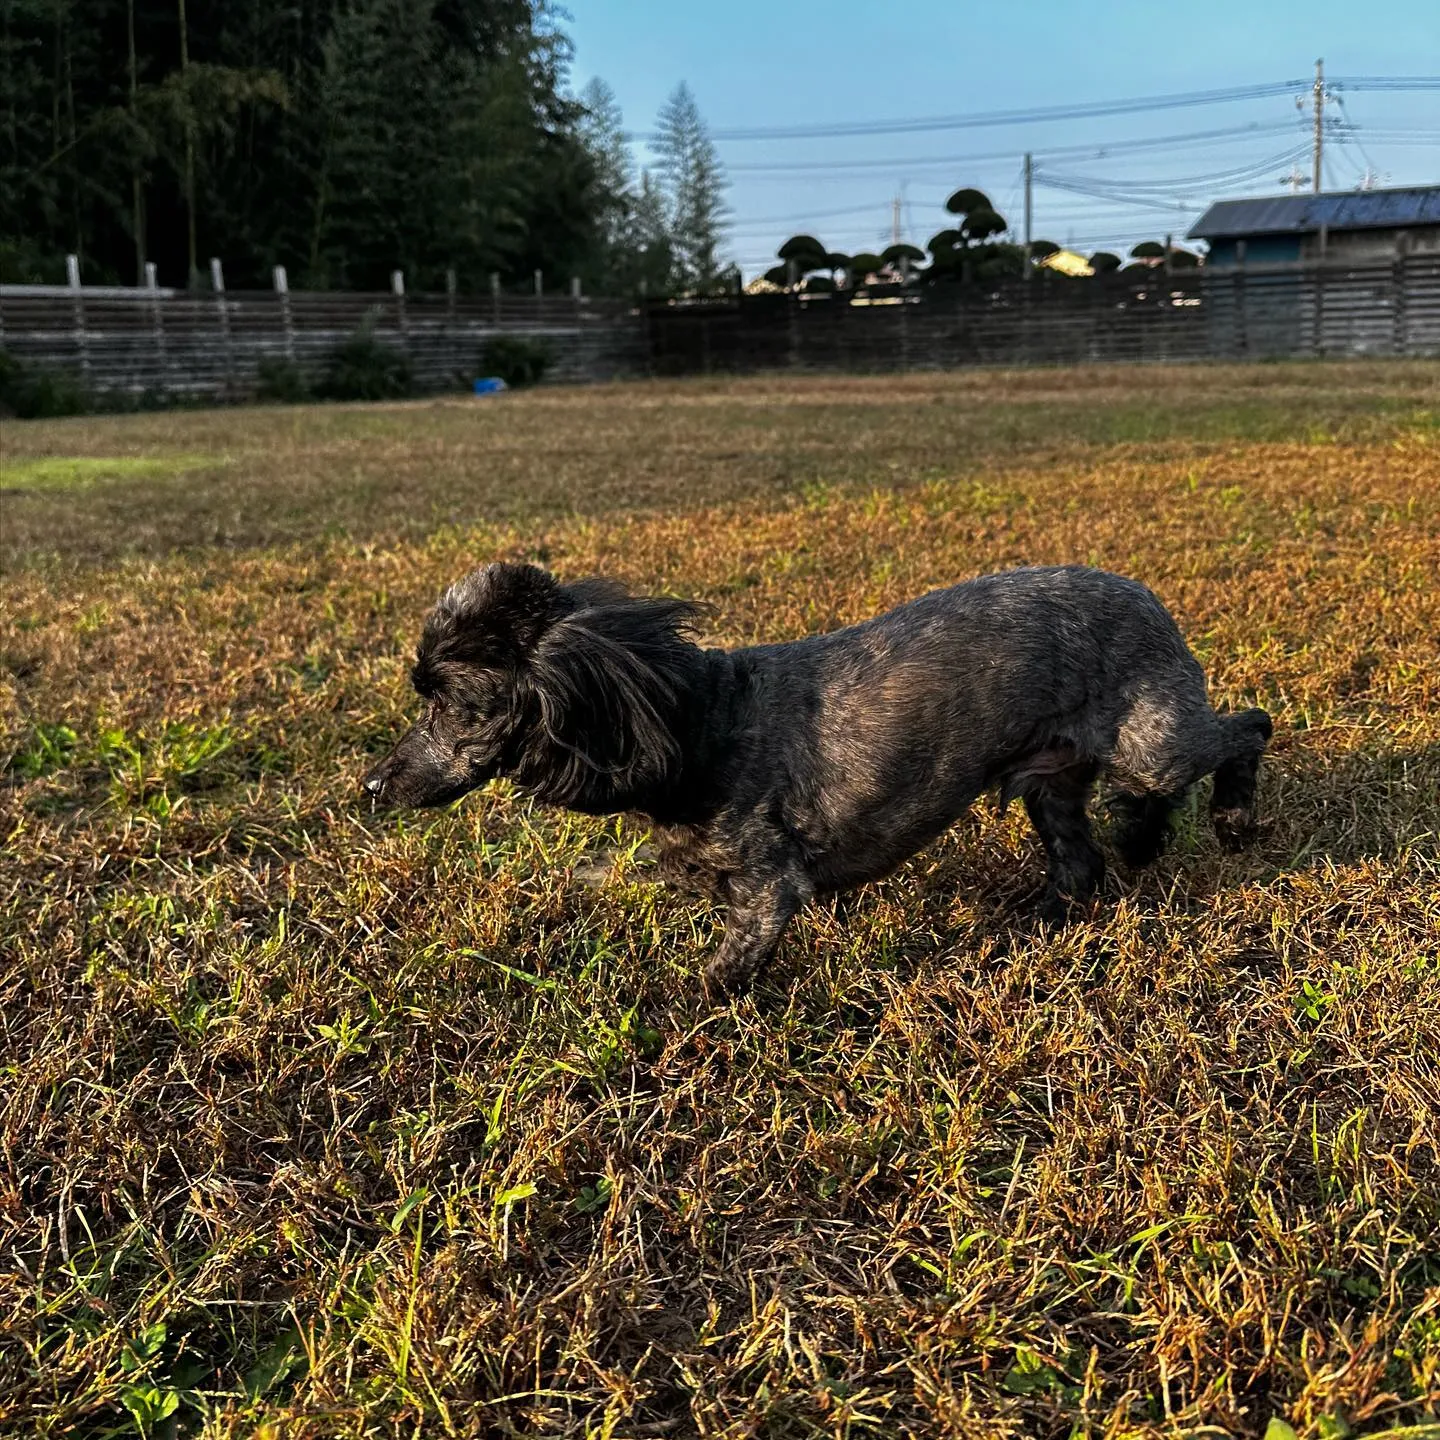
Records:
x=1302, y=214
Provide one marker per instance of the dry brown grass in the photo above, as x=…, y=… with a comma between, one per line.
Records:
x=342, y=1125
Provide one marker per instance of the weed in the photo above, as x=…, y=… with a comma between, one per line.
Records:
x=365, y=368
x=516, y=360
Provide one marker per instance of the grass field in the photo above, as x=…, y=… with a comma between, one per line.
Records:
x=320, y=1123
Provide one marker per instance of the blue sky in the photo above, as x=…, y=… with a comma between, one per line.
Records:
x=753, y=64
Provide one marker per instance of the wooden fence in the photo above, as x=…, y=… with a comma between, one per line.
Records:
x=184, y=343
x=1252, y=312
x=211, y=344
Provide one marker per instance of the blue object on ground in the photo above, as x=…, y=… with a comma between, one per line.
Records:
x=490, y=385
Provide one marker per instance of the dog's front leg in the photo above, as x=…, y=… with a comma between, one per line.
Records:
x=759, y=913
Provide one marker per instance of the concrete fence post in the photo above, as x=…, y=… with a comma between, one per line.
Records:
x=452, y=336
x=287, y=321
x=402, y=319
x=157, y=323
x=77, y=313
x=222, y=315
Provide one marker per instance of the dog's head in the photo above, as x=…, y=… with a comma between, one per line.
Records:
x=571, y=690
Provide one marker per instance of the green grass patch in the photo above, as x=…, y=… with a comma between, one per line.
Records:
x=63, y=472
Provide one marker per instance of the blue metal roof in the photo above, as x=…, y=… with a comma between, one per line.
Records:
x=1300, y=214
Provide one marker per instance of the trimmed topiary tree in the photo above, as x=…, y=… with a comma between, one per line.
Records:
x=980, y=225
x=968, y=201
x=901, y=252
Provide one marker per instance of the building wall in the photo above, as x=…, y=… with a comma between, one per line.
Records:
x=1259, y=250
x=1358, y=247
x=1362, y=247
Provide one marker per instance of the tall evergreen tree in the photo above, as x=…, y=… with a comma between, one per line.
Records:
x=648, y=264
x=695, y=187
x=602, y=128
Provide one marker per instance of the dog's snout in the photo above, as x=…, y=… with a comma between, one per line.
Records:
x=375, y=782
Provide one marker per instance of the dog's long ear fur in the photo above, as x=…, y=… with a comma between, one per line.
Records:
x=612, y=680
x=492, y=618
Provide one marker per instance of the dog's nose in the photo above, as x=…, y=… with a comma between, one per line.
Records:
x=375, y=782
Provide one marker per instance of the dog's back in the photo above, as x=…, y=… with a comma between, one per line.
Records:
x=887, y=730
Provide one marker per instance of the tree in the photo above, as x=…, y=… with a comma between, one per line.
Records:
x=862, y=265
x=803, y=248
x=602, y=132
x=968, y=251
x=800, y=256
x=648, y=252
x=1102, y=262
x=340, y=138
x=695, y=187
x=964, y=202
x=979, y=225
x=901, y=257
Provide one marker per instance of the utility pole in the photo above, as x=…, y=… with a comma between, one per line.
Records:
x=1319, y=100
x=895, y=221
x=1029, y=187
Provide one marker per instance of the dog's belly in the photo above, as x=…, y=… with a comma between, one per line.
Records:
x=873, y=839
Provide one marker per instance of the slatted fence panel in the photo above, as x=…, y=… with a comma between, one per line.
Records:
x=184, y=344
x=199, y=344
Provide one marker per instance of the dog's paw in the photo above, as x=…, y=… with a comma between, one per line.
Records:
x=1236, y=829
x=1054, y=911
x=723, y=979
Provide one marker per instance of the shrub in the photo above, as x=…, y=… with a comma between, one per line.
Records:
x=29, y=392
x=364, y=368
x=516, y=360
x=281, y=380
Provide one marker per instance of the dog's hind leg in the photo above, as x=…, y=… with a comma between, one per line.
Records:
x=760, y=909
x=1232, y=806
x=1056, y=806
x=1163, y=751
x=1143, y=824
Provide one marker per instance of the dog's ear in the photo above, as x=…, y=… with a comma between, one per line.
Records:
x=494, y=617
x=610, y=680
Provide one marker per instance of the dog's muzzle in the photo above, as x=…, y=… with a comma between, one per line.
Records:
x=375, y=782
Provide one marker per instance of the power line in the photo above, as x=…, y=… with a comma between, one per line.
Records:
x=1233, y=176
x=1387, y=82
x=981, y=119
x=1100, y=150
x=1083, y=111
x=1174, y=206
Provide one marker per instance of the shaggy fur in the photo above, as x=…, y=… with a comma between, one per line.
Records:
x=779, y=772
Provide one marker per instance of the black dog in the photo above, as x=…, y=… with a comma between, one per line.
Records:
x=778, y=772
